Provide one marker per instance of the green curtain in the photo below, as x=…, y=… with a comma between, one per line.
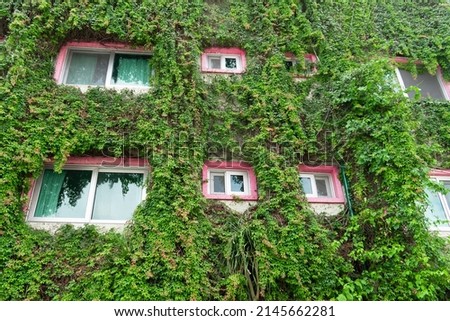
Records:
x=50, y=189
x=131, y=70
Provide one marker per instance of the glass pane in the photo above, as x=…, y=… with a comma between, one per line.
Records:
x=230, y=63
x=87, y=69
x=131, y=70
x=447, y=196
x=289, y=64
x=64, y=195
x=237, y=183
x=435, y=210
x=117, y=195
x=214, y=63
x=306, y=185
x=428, y=84
x=323, y=187
x=218, y=184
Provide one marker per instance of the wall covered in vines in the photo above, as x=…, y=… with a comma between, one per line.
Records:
x=179, y=246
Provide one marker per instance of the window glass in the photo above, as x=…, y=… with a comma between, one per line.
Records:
x=306, y=185
x=435, y=211
x=218, y=184
x=289, y=64
x=230, y=63
x=131, y=69
x=323, y=187
x=87, y=69
x=428, y=84
x=447, y=196
x=117, y=195
x=214, y=62
x=63, y=194
x=237, y=183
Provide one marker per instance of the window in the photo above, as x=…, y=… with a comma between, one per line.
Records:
x=438, y=210
x=223, y=60
x=87, y=193
x=93, y=64
x=429, y=85
x=227, y=180
x=316, y=185
x=298, y=70
x=321, y=184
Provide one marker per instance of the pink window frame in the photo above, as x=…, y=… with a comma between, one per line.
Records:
x=223, y=51
x=238, y=166
x=98, y=161
x=445, y=84
x=333, y=171
x=62, y=55
x=440, y=172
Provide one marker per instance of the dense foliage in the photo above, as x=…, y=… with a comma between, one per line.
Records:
x=180, y=246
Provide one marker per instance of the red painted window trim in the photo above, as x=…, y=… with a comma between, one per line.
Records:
x=440, y=172
x=223, y=51
x=238, y=166
x=333, y=171
x=111, y=46
x=446, y=84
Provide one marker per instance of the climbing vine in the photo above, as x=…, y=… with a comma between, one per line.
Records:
x=179, y=246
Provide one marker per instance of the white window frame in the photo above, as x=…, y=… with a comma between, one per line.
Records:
x=227, y=178
x=222, y=62
x=444, y=203
x=403, y=87
x=91, y=194
x=109, y=71
x=328, y=183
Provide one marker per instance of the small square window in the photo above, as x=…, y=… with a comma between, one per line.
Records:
x=316, y=185
x=299, y=70
x=87, y=194
x=223, y=60
x=429, y=85
x=227, y=180
x=321, y=184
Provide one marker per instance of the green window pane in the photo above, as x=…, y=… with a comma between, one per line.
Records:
x=131, y=70
x=63, y=195
x=117, y=195
x=306, y=185
x=87, y=69
x=230, y=63
x=237, y=183
x=219, y=184
x=289, y=64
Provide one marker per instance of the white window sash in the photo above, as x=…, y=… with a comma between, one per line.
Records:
x=328, y=184
x=227, y=178
x=109, y=70
x=91, y=194
x=312, y=179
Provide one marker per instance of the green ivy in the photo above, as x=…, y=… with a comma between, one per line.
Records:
x=180, y=246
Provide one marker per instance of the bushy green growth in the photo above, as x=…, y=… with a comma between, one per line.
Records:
x=180, y=246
